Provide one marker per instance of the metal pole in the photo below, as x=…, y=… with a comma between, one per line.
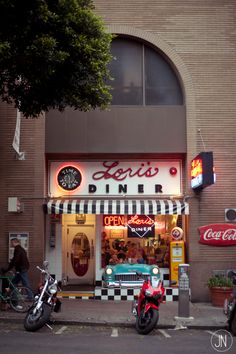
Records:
x=183, y=304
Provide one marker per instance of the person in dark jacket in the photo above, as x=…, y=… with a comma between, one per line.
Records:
x=21, y=264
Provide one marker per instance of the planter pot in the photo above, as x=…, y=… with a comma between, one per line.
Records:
x=219, y=294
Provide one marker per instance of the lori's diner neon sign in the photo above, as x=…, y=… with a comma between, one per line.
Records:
x=103, y=178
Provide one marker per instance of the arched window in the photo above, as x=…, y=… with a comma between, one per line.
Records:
x=142, y=76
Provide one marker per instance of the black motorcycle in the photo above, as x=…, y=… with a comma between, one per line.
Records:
x=230, y=306
x=45, y=303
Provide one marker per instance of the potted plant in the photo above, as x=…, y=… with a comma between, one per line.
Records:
x=220, y=288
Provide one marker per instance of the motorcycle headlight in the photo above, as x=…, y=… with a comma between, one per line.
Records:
x=155, y=282
x=148, y=292
x=109, y=271
x=155, y=270
x=52, y=289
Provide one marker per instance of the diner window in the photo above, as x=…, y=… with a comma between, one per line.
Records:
x=118, y=245
x=142, y=76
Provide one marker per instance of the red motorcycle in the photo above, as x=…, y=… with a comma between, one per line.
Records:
x=146, y=309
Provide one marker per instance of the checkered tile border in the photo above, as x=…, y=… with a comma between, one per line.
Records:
x=165, y=276
x=171, y=294
x=75, y=297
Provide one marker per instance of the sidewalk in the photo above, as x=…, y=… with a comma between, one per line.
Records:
x=118, y=313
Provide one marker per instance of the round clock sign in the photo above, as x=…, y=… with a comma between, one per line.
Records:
x=69, y=178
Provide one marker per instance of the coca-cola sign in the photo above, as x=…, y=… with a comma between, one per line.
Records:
x=218, y=234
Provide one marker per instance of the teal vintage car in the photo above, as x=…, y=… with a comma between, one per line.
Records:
x=125, y=275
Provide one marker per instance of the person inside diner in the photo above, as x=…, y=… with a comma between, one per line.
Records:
x=131, y=253
x=105, y=249
x=135, y=253
x=140, y=254
x=122, y=250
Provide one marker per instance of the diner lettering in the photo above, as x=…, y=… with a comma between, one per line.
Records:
x=140, y=229
x=123, y=188
x=113, y=171
x=137, y=220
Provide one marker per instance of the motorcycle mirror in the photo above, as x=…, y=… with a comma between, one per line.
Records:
x=45, y=264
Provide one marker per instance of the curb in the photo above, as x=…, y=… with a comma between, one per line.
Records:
x=118, y=324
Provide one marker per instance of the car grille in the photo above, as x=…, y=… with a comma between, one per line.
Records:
x=130, y=277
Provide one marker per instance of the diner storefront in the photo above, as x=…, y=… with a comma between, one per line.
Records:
x=110, y=212
x=127, y=162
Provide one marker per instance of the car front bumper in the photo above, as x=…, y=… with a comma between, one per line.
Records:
x=122, y=284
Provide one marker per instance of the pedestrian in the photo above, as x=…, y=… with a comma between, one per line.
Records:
x=21, y=264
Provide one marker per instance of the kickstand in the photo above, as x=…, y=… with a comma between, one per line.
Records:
x=49, y=326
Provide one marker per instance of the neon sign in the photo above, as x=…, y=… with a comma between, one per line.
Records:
x=114, y=171
x=114, y=178
x=138, y=220
x=69, y=178
x=119, y=220
x=114, y=220
x=141, y=225
x=202, y=171
x=137, y=225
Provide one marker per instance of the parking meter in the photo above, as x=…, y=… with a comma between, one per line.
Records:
x=183, y=308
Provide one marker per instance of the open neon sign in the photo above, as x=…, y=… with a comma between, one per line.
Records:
x=119, y=220
x=114, y=220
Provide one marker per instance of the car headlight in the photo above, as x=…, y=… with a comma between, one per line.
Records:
x=155, y=270
x=52, y=289
x=109, y=271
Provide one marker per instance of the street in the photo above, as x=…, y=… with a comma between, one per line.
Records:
x=63, y=339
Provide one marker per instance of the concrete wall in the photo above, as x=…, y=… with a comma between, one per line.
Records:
x=118, y=130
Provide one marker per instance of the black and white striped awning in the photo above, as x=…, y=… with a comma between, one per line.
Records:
x=123, y=207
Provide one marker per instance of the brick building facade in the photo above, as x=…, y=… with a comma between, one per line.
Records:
x=199, y=39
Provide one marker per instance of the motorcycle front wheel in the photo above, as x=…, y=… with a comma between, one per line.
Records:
x=145, y=323
x=37, y=320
